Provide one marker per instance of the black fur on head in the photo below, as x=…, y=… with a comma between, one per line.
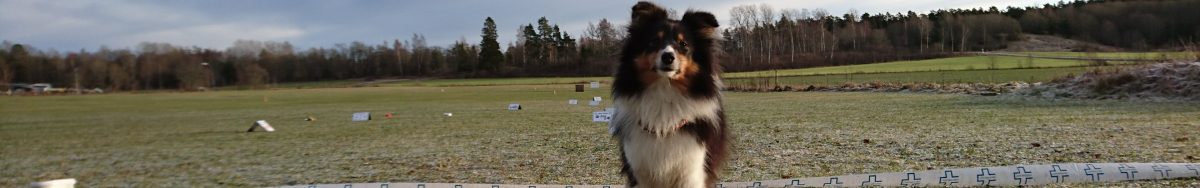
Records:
x=649, y=31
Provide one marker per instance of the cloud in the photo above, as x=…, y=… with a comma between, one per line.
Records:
x=216, y=36
x=76, y=24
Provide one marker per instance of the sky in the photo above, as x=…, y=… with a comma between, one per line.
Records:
x=71, y=25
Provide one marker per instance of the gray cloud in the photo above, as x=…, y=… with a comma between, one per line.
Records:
x=78, y=24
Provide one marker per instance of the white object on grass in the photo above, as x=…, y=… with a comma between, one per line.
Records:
x=572, y=102
x=594, y=103
x=601, y=116
x=261, y=123
x=595, y=85
x=58, y=183
x=448, y=114
x=361, y=116
x=597, y=99
x=514, y=106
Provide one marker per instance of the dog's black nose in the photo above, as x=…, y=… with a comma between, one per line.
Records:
x=668, y=58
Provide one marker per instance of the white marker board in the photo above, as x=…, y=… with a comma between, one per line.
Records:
x=261, y=123
x=58, y=183
x=361, y=116
x=601, y=116
x=595, y=85
x=514, y=106
x=572, y=102
x=597, y=99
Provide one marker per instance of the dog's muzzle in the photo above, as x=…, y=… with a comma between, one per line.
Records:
x=666, y=62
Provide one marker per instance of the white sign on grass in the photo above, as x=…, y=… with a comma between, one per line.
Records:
x=361, y=116
x=572, y=102
x=261, y=123
x=601, y=116
x=58, y=183
x=595, y=85
x=514, y=106
x=597, y=99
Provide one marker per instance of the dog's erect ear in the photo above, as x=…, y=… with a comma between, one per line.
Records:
x=700, y=21
x=646, y=12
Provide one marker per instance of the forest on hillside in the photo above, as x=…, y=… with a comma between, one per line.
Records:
x=756, y=37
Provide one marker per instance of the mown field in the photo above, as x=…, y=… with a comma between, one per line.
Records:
x=198, y=139
x=944, y=77
x=966, y=69
x=958, y=63
x=1117, y=55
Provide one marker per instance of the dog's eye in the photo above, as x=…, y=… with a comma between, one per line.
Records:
x=683, y=44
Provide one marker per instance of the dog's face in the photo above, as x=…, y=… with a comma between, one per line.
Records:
x=659, y=47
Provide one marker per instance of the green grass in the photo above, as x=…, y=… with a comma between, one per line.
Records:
x=964, y=76
x=501, y=81
x=198, y=139
x=1118, y=55
x=941, y=64
x=898, y=72
x=301, y=85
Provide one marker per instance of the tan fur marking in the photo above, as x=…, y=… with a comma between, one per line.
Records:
x=687, y=69
x=645, y=68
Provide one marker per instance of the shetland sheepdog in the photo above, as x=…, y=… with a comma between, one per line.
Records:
x=669, y=120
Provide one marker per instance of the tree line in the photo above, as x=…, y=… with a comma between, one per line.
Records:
x=756, y=37
x=761, y=37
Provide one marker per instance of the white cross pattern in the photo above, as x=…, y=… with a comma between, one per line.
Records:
x=1058, y=173
x=911, y=180
x=1163, y=170
x=1022, y=176
x=872, y=181
x=833, y=182
x=755, y=184
x=1094, y=172
x=797, y=183
x=948, y=179
x=985, y=174
x=1194, y=169
x=1129, y=171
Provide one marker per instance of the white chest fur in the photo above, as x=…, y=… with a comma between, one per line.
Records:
x=667, y=158
x=668, y=161
x=660, y=108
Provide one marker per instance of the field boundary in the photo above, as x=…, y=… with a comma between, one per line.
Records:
x=1067, y=58
x=925, y=71
x=1015, y=175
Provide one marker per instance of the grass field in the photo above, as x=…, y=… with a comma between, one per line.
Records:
x=963, y=76
x=943, y=70
x=1117, y=55
x=198, y=140
x=941, y=64
x=969, y=63
x=500, y=81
